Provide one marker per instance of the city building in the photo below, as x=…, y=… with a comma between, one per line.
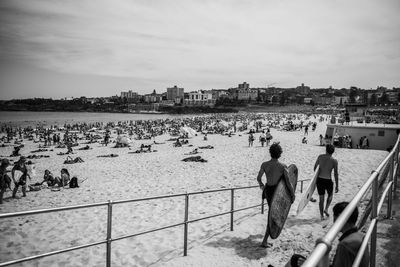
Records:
x=305, y=90
x=152, y=98
x=130, y=95
x=175, y=94
x=200, y=97
x=243, y=92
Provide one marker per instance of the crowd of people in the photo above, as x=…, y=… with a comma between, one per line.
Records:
x=72, y=135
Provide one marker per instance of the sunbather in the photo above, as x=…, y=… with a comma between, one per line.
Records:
x=195, y=159
x=69, y=160
x=64, y=180
x=48, y=178
x=206, y=147
x=108, y=156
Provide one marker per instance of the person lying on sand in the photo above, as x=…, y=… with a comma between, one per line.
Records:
x=194, y=159
x=108, y=156
x=37, y=156
x=69, y=160
x=193, y=152
x=142, y=147
x=39, y=150
x=206, y=147
x=85, y=148
x=61, y=146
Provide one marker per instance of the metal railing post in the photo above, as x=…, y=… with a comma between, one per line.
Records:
x=397, y=172
x=185, y=231
x=301, y=186
x=390, y=198
x=109, y=230
x=232, y=207
x=373, y=216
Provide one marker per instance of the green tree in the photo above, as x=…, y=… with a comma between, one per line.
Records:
x=352, y=96
x=373, y=100
x=384, y=99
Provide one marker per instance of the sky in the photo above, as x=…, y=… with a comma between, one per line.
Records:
x=58, y=48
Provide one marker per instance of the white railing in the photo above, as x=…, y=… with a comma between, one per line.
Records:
x=320, y=255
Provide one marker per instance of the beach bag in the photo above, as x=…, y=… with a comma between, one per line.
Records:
x=73, y=183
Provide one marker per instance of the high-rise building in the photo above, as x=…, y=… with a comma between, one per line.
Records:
x=129, y=95
x=174, y=93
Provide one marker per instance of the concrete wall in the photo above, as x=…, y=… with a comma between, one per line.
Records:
x=379, y=138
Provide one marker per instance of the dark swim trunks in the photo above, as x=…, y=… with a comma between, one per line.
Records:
x=324, y=185
x=268, y=193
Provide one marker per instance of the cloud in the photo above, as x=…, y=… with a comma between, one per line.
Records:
x=199, y=43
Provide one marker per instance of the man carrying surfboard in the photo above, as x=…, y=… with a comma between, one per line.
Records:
x=324, y=181
x=274, y=172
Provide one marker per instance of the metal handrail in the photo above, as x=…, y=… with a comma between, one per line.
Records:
x=33, y=212
x=367, y=236
x=364, y=244
x=324, y=244
x=109, y=239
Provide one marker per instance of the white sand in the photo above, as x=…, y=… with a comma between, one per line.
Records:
x=230, y=164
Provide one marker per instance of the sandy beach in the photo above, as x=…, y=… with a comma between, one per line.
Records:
x=231, y=163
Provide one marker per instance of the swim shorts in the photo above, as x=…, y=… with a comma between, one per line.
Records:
x=268, y=193
x=324, y=184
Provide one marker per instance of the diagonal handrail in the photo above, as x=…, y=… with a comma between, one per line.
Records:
x=324, y=244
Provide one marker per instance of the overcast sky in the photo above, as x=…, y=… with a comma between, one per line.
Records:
x=52, y=48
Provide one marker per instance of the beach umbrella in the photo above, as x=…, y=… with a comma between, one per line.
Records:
x=187, y=130
x=123, y=140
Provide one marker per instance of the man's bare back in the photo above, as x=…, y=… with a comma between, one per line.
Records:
x=273, y=170
x=326, y=164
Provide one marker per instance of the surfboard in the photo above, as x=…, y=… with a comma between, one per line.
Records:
x=308, y=193
x=17, y=175
x=280, y=203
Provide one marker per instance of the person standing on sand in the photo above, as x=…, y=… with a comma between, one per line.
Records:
x=20, y=166
x=324, y=181
x=4, y=178
x=251, y=139
x=274, y=172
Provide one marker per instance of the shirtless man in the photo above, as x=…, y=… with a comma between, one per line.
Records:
x=20, y=166
x=324, y=181
x=4, y=178
x=274, y=171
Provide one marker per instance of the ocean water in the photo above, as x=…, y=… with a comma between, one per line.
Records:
x=29, y=118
